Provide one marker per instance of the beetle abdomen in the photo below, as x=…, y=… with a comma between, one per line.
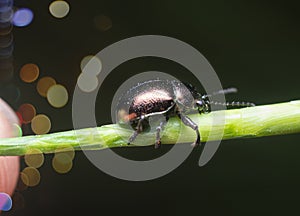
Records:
x=150, y=102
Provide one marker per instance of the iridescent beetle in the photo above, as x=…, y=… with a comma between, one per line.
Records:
x=168, y=98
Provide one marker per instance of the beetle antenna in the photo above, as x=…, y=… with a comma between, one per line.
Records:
x=232, y=104
x=225, y=91
x=222, y=91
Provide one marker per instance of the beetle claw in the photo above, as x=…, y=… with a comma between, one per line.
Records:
x=157, y=144
x=196, y=143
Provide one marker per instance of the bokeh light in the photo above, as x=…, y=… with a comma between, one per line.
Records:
x=62, y=162
x=87, y=82
x=57, y=96
x=102, y=22
x=91, y=65
x=85, y=60
x=6, y=15
x=59, y=9
x=22, y=17
x=69, y=150
x=29, y=73
x=5, y=5
x=16, y=130
x=27, y=112
x=6, y=40
x=34, y=158
x=44, y=84
x=5, y=28
x=5, y=202
x=32, y=175
x=40, y=124
x=6, y=52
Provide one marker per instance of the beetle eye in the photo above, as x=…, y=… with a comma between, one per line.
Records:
x=199, y=103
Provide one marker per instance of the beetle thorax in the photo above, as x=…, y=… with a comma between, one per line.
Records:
x=183, y=97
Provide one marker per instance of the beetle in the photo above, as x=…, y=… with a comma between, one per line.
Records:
x=168, y=98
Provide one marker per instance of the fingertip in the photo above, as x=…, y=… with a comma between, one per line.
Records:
x=9, y=165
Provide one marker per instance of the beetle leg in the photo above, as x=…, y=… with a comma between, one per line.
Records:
x=132, y=137
x=188, y=122
x=137, y=131
x=158, y=130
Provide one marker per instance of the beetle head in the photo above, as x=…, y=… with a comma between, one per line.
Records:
x=202, y=104
x=192, y=90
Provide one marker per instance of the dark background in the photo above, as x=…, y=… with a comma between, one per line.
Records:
x=252, y=45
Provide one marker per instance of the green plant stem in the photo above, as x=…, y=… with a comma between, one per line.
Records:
x=265, y=120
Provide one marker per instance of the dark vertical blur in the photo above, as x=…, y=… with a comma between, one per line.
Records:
x=7, y=89
x=252, y=45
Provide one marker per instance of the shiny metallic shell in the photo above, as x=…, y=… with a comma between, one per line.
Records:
x=151, y=102
x=156, y=97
